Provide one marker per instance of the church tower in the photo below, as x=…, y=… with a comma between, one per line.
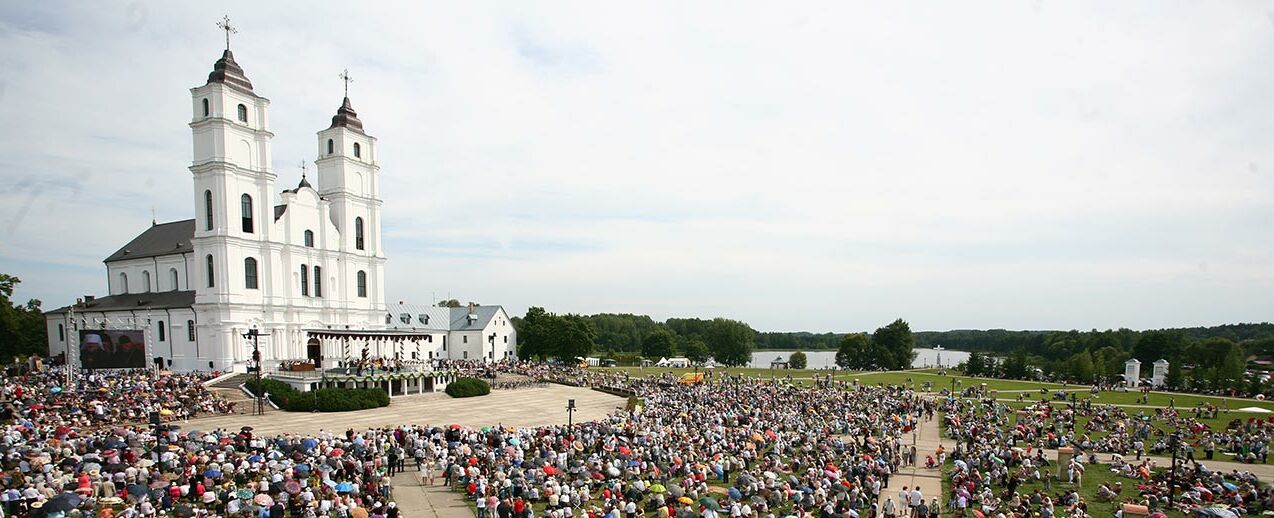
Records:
x=233, y=186
x=349, y=177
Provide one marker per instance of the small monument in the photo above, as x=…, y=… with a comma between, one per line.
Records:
x=1160, y=373
x=1132, y=373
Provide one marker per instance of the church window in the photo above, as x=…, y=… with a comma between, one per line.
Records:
x=444, y=342
x=358, y=233
x=61, y=333
x=212, y=280
x=362, y=284
x=123, y=282
x=205, y=108
x=162, y=337
x=243, y=113
x=207, y=210
x=318, y=281
x=250, y=273
x=309, y=238
x=358, y=152
x=465, y=338
x=506, y=339
x=331, y=146
x=146, y=281
x=305, y=281
x=190, y=330
x=389, y=319
x=245, y=207
x=172, y=276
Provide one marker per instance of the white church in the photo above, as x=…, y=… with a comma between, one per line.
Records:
x=303, y=266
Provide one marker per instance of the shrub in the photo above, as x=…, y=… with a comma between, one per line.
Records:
x=468, y=387
x=323, y=400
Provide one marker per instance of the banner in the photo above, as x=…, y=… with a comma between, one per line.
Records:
x=112, y=349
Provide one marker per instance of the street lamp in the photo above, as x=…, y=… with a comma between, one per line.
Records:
x=570, y=411
x=253, y=334
x=491, y=340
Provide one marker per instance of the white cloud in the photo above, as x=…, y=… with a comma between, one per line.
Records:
x=820, y=167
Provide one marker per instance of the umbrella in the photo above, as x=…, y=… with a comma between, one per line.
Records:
x=165, y=412
x=550, y=470
x=146, y=463
x=658, y=488
x=243, y=494
x=309, y=444
x=710, y=503
x=110, y=451
x=63, y=502
x=292, y=487
x=183, y=511
x=344, y=487
x=56, y=390
x=212, y=473
x=337, y=452
x=245, y=429
x=1230, y=486
x=513, y=441
x=138, y=490
x=685, y=500
x=263, y=499
x=254, y=458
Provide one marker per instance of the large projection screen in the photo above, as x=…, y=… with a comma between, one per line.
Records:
x=112, y=349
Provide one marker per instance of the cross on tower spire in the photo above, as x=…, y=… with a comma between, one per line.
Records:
x=346, y=77
x=302, y=169
x=224, y=24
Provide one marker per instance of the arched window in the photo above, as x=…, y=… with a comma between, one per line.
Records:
x=146, y=281
x=358, y=151
x=172, y=274
x=250, y=273
x=309, y=238
x=318, y=281
x=162, y=337
x=190, y=330
x=305, y=281
x=245, y=208
x=206, y=111
x=362, y=283
x=212, y=279
x=331, y=146
x=123, y=282
x=358, y=233
x=207, y=210
x=243, y=113
x=389, y=319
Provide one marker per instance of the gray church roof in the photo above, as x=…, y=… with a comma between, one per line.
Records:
x=226, y=71
x=161, y=239
x=433, y=318
x=139, y=301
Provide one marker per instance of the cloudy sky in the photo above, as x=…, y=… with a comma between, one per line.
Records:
x=823, y=167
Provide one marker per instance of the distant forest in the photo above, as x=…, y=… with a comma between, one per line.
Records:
x=625, y=332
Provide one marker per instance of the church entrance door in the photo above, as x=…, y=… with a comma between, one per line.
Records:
x=314, y=351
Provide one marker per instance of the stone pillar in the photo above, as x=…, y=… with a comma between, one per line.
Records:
x=1063, y=460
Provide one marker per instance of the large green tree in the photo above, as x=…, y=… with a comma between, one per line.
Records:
x=895, y=343
x=659, y=343
x=730, y=341
x=22, y=327
x=574, y=336
x=535, y=338
x=853, y=351
x=696, y=350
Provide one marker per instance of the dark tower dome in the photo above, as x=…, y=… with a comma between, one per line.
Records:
x=228, y=72
x=346, y=117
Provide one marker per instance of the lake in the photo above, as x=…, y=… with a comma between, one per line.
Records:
x=827, y=359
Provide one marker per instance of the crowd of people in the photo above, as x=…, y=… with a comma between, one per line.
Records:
x=1000, y=449
x=688, y=450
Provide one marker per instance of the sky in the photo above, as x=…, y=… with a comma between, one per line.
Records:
x=818, y=166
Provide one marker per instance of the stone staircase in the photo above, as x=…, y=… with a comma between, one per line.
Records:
x=228, y=388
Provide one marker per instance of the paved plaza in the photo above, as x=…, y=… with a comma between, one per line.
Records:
x=539, y=406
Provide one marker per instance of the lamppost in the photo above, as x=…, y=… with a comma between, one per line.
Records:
x=491, y=340
x=570, y=411
x=253, y=334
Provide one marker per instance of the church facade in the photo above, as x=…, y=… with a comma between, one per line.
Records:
x=309, y=261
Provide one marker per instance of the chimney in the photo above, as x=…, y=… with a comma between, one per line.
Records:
x=88, y=298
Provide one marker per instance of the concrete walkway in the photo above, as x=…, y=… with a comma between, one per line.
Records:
x=926, y=439
x=419, y=501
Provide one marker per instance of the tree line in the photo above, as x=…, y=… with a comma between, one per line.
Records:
x=1196, y=360
x=22, y=327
